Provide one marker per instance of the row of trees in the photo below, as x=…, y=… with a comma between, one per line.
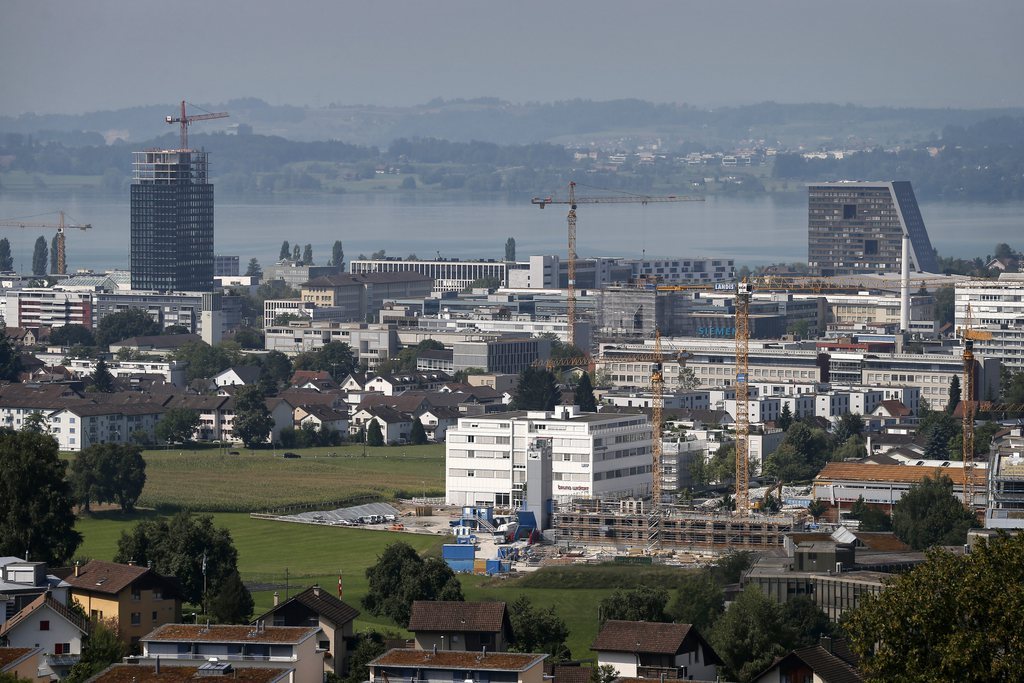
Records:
x=304, y=254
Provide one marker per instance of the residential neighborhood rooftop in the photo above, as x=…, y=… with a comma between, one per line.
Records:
x=221, y=633
x=452, y=659
x=447, y=615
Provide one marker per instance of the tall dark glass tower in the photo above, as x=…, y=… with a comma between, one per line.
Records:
x=172, y=221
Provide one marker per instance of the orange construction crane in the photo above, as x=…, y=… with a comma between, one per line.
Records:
x=187, y=120
x=969, y=335
x=744, y=290
x=573, y=201
x=60, y=225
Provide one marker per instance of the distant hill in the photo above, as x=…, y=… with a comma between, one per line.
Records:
x=572, y=123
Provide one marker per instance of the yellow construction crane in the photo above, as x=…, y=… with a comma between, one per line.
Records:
x=969, y=335
x=60, y=225
x=187, y=120
x=744, y=289
x=573, y=201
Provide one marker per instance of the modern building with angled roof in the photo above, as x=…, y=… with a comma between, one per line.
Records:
x=452, y=625
x=316, y=606
x=650, y=650
x=856, y=228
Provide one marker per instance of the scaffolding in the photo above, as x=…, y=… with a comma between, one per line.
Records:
x=170, y=167
x=625, y=524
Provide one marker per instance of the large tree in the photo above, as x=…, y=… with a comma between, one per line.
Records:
x=101, y=378
x=10, y=360
x=585, y=394
x=749, y=635
x=109, y=473
x=929, y=514
x=954, y=394
x=700, y=600
x=639, y=604
x=286, y=251
x=253, y=423
x=307, y=255
x=36, y=519
x=374, y=435
x=254, y=269
x=177, y=425
x=537, y=629
x=40, y=257
x=53, y=254
x=953, y=618
x=184, y=546
x=536, y=390
x=102, y=648
x=232, y=603
x=510, y=249
x=336, y=358
x=400, y=576
x=117, y=327
x=72, y=335
x=418, y=434
x=6, y=260
x=338, y=255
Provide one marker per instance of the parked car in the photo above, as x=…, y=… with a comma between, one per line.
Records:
x=289, y=454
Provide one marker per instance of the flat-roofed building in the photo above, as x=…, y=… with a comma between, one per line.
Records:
x=997, y=307
x=592, y=455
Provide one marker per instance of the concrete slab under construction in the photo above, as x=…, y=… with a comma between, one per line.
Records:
x=625, y=524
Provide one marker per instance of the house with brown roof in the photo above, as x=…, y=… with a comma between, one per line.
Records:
x=448, y=665
x=301, y=377
x=22, y=663
x=47, y=624
x=651, y=650
x=395, y=426
x=136, y=598
x=258, y=646
x=317, y=607
x=830, y=661
x=452, y=625
x=321, y=418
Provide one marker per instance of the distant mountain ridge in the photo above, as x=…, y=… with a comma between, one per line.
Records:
x=573, y=123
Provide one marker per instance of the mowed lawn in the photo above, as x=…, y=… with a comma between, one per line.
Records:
x=315, y=554
x=213, y=480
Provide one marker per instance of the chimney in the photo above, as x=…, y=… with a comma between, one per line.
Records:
x=316, y=589
x=435, y=648
x=826, y=643
x=277, y=598
x=78, y=568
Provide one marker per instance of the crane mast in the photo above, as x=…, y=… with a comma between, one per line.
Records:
x=187, y=120
x=61, y=226
x=573, y=201
x=742, y=332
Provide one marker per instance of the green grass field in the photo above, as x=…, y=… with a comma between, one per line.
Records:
x=214, y=481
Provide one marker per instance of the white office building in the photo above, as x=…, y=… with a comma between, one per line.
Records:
x=592, y=455
x=997, y=307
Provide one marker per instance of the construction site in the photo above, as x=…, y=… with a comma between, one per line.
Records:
x=626, y=526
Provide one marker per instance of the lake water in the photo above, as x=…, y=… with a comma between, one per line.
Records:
x=754, y=231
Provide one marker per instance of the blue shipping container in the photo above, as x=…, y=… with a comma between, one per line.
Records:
x=493, y=566
x=458, y=552
x=463, y=566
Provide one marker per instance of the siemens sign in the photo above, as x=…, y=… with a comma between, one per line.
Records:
x=716, y=331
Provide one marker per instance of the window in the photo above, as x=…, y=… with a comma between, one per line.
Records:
x=154, y=615
x=136, y=618
x=62, y=648
x=849, y=212
x=44, y=625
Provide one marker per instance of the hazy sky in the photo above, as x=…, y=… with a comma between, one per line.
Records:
x=75, y=56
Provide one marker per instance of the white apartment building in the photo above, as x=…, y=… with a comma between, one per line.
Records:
x=593, y=455
x=172, y=372
x=997, y=307
x=714, y=364
x=309, y=310
x=450, y=275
